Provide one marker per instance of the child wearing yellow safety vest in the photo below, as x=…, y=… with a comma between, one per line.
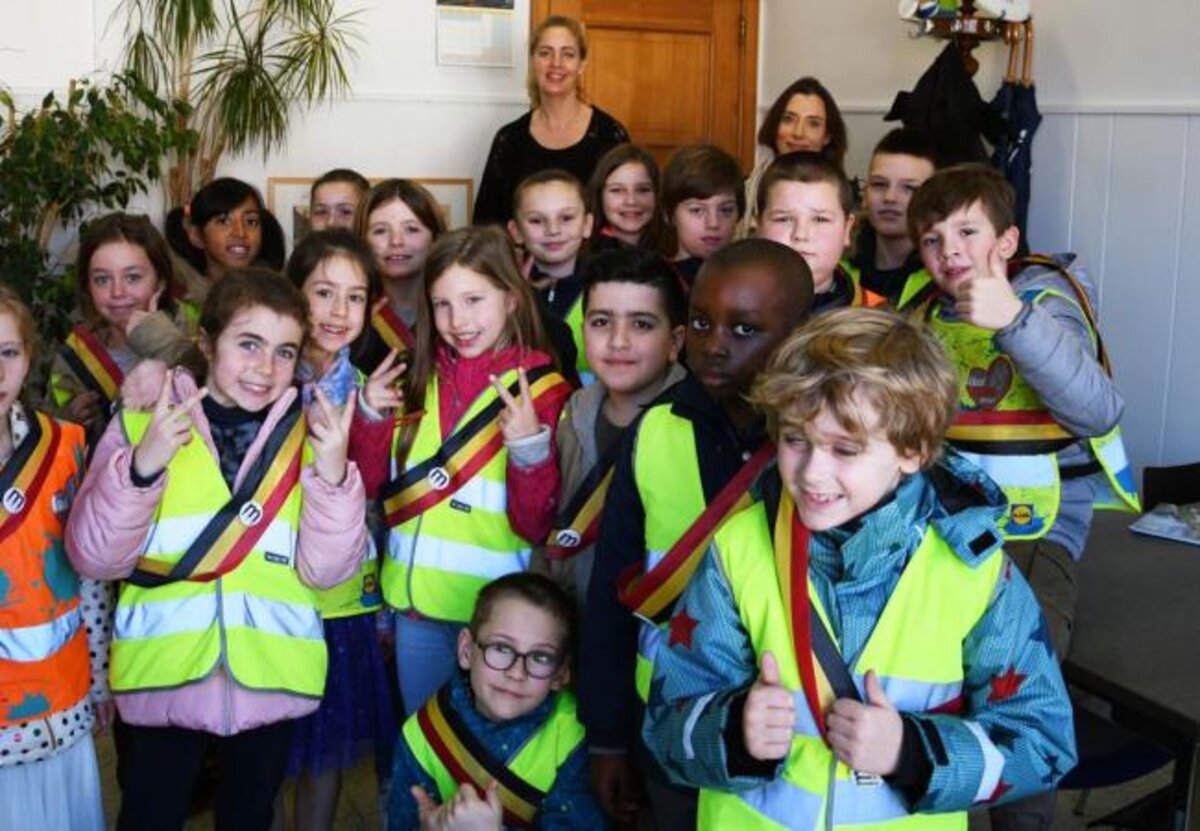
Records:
x=125, y=284
x=53, y=628
x=681, y=469
x=475, y=479
x=222, y=511
x=499, y=746
x=1037, y=408
x=856, y=649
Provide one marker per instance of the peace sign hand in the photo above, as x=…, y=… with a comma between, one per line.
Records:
x=170, y=429
x=382, y=391
x=518, y=419
x=330, y=431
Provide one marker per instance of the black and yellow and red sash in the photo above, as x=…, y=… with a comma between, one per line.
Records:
x=651, y=594
x=463, y=454
x=394, y=331
x=235, y=529
x=824, y=675
x=91, y=363
x=578, y=523
x=25, y=472
x=470, y=763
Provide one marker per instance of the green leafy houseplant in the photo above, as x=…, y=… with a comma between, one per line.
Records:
x=68, y=158
x=241, y=64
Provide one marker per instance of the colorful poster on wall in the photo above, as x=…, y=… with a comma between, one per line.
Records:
x=475, y=32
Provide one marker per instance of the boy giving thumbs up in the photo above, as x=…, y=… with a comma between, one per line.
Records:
x=855, y=649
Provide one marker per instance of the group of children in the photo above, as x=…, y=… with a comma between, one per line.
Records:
x=768, y=529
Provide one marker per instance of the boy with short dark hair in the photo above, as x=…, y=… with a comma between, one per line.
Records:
x=680, y=472
x=885, y=260
x=858, y=649
x=633, y=325
x=1037, y=406
x=806, y=202
x=702, y=201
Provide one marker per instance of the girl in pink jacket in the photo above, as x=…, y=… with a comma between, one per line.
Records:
x=221, y=511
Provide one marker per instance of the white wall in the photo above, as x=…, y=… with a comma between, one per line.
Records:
x=1116, y=165
x=1117, y=160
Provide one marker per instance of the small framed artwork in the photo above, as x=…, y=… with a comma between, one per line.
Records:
x=288, y=198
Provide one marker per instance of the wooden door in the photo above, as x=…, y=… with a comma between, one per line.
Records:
x=672, y=72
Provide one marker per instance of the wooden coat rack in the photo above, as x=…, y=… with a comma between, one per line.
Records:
x=967, y=31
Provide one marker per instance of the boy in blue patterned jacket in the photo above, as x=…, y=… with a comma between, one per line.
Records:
x=869, y=654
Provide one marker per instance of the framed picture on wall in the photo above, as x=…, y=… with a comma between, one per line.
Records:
x=287, y=198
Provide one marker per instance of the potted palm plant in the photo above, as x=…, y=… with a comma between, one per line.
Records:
x=242, y=66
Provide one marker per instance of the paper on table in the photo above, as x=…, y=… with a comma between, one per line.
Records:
x=1173, y=522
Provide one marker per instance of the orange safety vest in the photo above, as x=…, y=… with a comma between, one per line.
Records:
x=43, y=644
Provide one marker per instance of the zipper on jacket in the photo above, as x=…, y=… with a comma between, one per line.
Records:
x=829, y=801
x=412, y=563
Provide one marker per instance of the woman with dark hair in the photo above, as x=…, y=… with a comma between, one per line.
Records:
x=803, y=117
x=561, y=130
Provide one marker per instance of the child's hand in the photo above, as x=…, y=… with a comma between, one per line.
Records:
x=468, y=812
x=518, y=419
x=137, y=315
x=169, y=430
x=616, y=787
x=104, y=711
x=867, y=737
x=84, y=408
x=769, y=716
x=430, y=814
x=988, y=301
x=330, y=431
x=382, y=392
x=141, y=386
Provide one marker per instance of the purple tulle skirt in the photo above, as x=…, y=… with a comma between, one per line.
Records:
x=357, y=716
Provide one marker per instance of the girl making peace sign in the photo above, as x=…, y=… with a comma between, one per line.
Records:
x=475, y=477
x=222, y=510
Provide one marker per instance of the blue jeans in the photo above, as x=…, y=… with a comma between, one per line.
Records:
x=426, y=657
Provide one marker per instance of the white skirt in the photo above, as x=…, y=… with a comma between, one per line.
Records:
x=61, y=793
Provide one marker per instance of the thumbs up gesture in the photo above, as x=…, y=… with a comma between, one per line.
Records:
x=866, y=736
x=769, y=715
x=987, y=300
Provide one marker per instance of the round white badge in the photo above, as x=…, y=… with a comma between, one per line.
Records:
x=14, y=500
x=438, y=479
x=568, y=538
x=251, y=514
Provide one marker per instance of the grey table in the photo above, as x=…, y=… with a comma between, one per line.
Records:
x=1137, y=636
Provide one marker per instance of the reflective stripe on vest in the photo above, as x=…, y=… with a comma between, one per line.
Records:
x=258, y=620
x=535, y=763
x=43, y=647
x=667, y=473
x=37, y=643
x=439, y=559
x=915, y=648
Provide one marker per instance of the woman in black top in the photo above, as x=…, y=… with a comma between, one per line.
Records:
x=561, y=130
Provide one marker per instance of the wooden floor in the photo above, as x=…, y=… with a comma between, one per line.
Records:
x=359, y=810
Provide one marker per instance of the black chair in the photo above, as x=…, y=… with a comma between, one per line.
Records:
x=1178, y=485
x=1111, y=755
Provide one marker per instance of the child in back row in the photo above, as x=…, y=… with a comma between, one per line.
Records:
x=885, y=260
x=702, y=200
x=805, y=201
x=399, y=220
x=499, y=745
x=53, y=629
x=623, y=198
x=1037, y=406
x=221, y=511
x=633, y=325
x=679, y=472
x=334, y=197
x=475, y=478
x=551, y=223
x=125, y=297
x=868, y=652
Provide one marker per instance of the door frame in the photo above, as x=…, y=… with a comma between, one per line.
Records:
x=747, y=72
